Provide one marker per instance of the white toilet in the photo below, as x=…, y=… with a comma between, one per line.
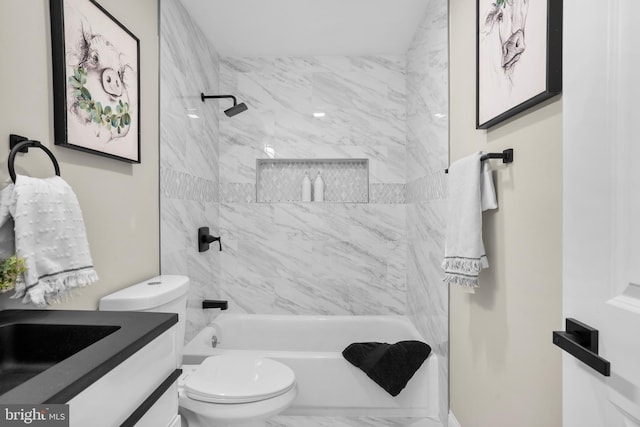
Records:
x=223, y=390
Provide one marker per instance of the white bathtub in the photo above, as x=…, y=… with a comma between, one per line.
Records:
x=312, y=346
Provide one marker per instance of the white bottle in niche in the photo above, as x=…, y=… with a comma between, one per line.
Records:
x=306, y=188
x=318, y=189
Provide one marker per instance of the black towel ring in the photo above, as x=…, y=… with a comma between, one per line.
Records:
x=26, y=144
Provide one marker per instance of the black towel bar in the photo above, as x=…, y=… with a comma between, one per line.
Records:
x=506, y=156
x=21, y=144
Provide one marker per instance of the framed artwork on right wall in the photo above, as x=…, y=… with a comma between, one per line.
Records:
x=518, y=57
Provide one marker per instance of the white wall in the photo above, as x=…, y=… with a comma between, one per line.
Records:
x=119, y=200
x=504, y=369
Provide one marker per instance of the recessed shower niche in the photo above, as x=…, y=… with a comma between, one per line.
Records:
x=280, y=180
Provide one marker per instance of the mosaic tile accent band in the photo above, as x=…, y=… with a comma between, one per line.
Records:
x=387, y=193
x=237, y=192
x=183, y=186
x=280, y=180
x=427, y=188
x=384, y=194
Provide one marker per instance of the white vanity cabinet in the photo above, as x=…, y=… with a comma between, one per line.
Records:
x=140, y=391
x=113, y=369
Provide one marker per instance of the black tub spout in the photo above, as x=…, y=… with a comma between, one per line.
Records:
x=214, y=303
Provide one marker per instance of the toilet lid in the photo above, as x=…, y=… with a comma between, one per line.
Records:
x=238, y=379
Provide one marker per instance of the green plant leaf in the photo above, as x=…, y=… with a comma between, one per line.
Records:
x=86, y=93
x=74, y=82
x=10, y=271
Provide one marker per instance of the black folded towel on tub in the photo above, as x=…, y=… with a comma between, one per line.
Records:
x=391, y=366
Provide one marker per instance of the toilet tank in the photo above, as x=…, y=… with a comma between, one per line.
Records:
x=164, y=294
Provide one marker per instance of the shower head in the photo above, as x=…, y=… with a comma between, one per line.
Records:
x=236, y=109
x=230, y=112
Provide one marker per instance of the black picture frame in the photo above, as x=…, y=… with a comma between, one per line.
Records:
x=96, y=81
x=515, y=73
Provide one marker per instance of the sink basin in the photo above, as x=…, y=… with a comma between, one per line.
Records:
x=52, y=356
x=28, y=349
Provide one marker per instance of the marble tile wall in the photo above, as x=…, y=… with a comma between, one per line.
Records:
x=362, y=98
x=427, y=158
x=308, y=258
x=189, y=173
x=314, y=258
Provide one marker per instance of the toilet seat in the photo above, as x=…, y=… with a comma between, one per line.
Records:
x=232, y=414
x=227, y=379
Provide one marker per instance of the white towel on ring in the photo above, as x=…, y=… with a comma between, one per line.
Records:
x=7, y=248
x=471, y=192
x=50, y=236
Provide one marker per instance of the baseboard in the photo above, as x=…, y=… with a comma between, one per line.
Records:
x=453, y=422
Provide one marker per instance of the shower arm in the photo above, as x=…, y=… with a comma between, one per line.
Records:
x=203, y=97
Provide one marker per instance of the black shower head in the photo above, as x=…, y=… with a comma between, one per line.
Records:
x=230, y=112
x=236, y=109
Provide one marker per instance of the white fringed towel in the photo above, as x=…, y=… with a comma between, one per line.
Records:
x=50, y=235
x=471, y=192
x=7, y=248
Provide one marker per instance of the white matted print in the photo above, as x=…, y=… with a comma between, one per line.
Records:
x=96, y=81
x=519, y=56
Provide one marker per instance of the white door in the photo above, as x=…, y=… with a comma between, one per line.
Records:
x=601, y=206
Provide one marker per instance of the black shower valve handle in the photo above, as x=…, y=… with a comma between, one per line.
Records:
x=205, y=239
x=210, y=239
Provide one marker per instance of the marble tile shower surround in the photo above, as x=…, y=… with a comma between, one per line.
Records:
x=363, y=99
x=427, y=96
x=309, y=258
x=427, y=157
x=313, y=258
x=189, y=173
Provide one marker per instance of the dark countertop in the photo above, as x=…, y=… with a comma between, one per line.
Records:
x=61, y=382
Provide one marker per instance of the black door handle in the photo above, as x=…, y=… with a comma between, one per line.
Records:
x=581, y=341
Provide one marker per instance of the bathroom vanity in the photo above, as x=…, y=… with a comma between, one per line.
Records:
x=111, y=368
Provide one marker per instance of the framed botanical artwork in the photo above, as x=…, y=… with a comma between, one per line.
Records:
x=518, y=57
x=96, y=81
